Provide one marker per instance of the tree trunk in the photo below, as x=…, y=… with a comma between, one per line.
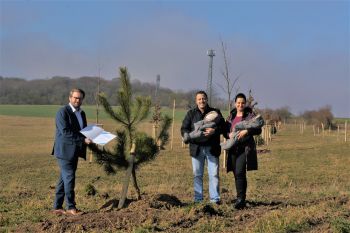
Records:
x=134, y=182
x=129, y=171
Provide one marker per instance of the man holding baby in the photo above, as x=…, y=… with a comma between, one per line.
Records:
x=204, y=150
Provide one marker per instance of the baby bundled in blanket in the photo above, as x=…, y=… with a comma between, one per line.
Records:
x=210, y=120
x=251, y=122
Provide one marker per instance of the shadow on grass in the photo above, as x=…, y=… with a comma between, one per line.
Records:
x=159, y=201
x=113, y=204
x=262, y=203
x=341, y=200
x=165, y=201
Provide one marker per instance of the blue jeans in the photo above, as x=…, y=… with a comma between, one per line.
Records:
x=66, y=183
x=213, y=173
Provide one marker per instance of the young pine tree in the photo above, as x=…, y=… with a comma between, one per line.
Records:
x=133, y=148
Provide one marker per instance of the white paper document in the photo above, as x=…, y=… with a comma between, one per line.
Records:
x=97, y=134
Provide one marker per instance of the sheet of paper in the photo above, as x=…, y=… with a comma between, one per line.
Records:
x=97, y=134
x=104, y=138
x=91, y=131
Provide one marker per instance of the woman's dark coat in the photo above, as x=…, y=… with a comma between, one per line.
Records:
x=247, y=147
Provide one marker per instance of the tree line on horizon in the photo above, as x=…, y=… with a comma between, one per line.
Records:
x=54, y=91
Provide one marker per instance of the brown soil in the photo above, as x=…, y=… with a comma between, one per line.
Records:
x=166, y=213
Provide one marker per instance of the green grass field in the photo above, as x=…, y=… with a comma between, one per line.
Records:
x=302, y=185
x=50, y=111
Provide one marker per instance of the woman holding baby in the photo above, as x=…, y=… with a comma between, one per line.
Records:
x=242, y=157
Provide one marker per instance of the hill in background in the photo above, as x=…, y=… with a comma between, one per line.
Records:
x=55, y=91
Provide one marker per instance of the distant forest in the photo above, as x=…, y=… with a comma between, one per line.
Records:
x=55, y=91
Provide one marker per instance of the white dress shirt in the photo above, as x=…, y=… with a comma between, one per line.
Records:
x=78, y=115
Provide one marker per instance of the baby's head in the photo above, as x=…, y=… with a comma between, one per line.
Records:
x=211, y=116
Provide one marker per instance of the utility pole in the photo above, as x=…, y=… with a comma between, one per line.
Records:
x=211, y=54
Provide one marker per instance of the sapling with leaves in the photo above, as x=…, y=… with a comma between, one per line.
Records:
x=157, y=119
x=132, y=148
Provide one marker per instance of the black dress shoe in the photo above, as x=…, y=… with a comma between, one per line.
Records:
x=240, y=204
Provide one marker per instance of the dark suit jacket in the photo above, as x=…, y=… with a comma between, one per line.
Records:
x=69, y=142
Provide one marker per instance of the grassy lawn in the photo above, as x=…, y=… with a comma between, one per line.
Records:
x=302, y=185
x=50, y=111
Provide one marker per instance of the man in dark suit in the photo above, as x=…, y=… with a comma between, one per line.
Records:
x=69, y=145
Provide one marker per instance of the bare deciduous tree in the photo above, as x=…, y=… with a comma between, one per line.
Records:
x=229, y=83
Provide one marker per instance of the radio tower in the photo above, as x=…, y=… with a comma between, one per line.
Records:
x=211, y=54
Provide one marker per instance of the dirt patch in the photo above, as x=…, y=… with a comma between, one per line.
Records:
x=164, y=201
x=263, y=151
x=164, y=212
x=147, y=213
x=26, y=194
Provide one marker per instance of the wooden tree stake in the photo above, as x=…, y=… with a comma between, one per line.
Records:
x=172, y=127
x=346, y=124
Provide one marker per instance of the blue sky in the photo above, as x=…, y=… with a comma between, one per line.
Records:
x=290, y=53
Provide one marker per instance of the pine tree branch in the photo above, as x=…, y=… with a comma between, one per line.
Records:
x=125, y=94
x=108, y=108
x=125, y=107
x=111, y=159
x=142, y=109
x=146, y=149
